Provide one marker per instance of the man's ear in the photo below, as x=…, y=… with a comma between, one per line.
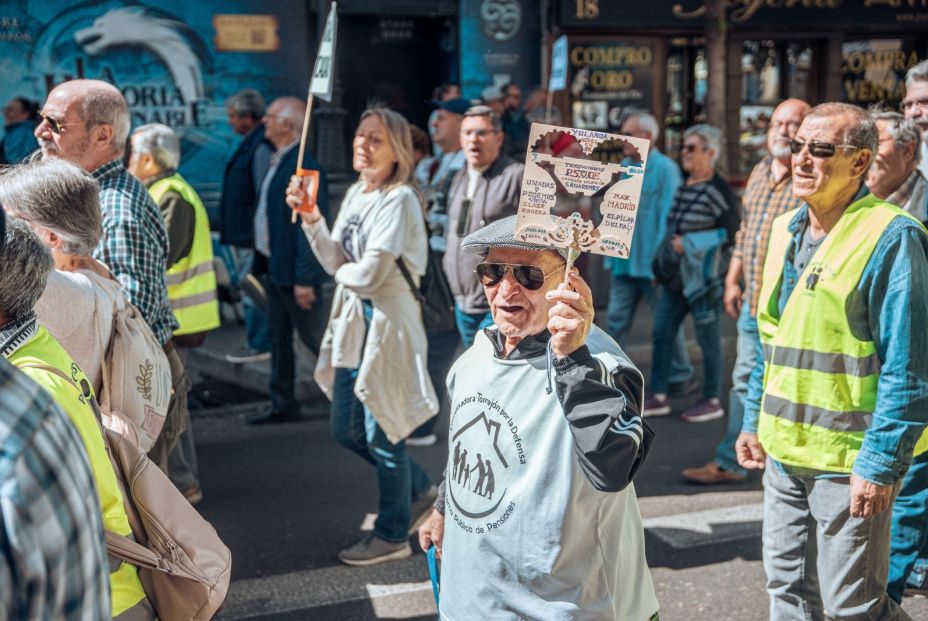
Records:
x=103, y=135
x=861, y=162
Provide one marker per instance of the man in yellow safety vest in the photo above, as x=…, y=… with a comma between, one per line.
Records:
x=191, y=277
x=839, y=402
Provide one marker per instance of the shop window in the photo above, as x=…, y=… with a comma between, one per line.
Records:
x=874, y=70
x=771, y=71
x=687, y=85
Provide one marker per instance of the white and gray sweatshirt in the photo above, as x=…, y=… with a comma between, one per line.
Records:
x=541, y=521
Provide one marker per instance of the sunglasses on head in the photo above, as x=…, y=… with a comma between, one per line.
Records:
x=818, y=149
x=529, y=276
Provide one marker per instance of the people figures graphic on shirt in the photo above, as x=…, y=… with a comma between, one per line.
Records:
x=481, y=475
x=463, y=470
x=457, y=462
x=491, y=482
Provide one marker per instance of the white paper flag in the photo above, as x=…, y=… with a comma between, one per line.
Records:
x=324, y=70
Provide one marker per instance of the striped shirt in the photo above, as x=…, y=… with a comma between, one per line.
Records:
x=704, y=206
x=764, y=199
x=52, y=557
x=135, y=245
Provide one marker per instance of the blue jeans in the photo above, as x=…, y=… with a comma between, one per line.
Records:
x=255, y=319
x=399, y=479
x=910, y=526
x=470, y=323
x=745, y=360
x=624, y=295
x=672, y=309
x=443, y=345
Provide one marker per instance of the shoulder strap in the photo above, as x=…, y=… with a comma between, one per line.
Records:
x=409, y=281
x=119, y=546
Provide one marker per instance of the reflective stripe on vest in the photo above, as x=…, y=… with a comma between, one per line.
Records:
x=125, y=587
x=192, y=280
x=820, y=381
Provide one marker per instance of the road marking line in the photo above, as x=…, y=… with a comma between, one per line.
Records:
x=700, y=528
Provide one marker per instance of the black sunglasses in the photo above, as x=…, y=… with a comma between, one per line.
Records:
x=55, y=125
x=529, y=276
x=818, y=149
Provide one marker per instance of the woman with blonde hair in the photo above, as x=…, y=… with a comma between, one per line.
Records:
x=372, y=364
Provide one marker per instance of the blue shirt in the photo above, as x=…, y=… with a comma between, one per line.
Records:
x=662, y=177
x=888, y=307
x=19, y=141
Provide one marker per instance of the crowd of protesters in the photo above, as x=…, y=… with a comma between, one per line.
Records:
x=822, y=261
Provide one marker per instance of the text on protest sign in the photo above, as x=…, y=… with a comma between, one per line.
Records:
x=572, y=174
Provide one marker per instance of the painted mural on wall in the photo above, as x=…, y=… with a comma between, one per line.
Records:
x=499, y=43
x=175, y=62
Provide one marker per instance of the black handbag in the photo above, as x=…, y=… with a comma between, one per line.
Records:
x=434, y=294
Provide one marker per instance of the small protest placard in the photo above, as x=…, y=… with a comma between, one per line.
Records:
x=324, y=70
x=558, y=79
x=573, y=176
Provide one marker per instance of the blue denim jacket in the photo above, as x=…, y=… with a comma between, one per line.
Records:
x=889, y=307
x=662, y=177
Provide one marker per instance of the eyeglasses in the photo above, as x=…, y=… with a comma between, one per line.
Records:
x=689, y=148
x=55, y=125
x=529, y=276
x=818, y=149
x=478, y=133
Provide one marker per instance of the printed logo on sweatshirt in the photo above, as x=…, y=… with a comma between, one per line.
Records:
x=485, y=449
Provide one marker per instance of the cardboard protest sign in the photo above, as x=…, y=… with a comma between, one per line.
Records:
x=321, y=84
x=573, y=176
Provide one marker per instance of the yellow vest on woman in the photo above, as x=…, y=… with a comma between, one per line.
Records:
x=43, y=349
x=820, y=381
x=192, y=280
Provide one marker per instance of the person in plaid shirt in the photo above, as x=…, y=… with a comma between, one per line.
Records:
x=52, y=558
x=769, y=193
x=87, y=122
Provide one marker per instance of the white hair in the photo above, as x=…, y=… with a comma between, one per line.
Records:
x=711, y=138
x=646, y=122
x=160, y=142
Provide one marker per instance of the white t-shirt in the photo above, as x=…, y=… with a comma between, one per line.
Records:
x=391, y=222
x=77, y=309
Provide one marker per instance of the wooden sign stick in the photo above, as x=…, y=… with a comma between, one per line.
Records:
x=548, y=107
x=300, y=171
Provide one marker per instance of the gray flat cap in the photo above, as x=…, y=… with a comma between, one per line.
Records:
x=501, y=234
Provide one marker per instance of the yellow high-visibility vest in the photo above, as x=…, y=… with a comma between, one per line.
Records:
x=125, y=588
x=192, y=280
x=820, y=380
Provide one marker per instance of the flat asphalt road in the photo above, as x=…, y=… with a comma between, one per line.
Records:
x=285, y=498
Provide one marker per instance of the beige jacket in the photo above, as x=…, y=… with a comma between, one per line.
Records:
x=391, y=354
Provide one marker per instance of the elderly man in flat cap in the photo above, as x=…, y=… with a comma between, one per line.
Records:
x=537, y=518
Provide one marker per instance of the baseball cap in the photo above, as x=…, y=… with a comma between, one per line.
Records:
x=458, y=105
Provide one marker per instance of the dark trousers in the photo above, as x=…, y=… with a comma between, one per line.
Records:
x=283, y=315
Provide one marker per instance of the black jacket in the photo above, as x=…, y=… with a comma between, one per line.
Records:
x=240, y=193
x=292, y=261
